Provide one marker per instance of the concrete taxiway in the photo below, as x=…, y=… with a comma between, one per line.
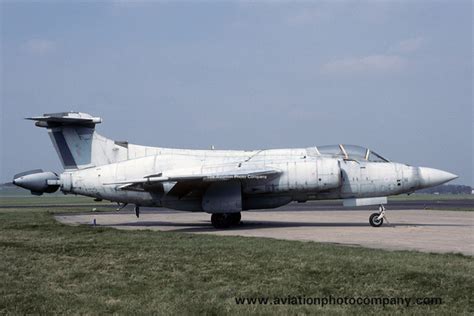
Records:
x=420, y=230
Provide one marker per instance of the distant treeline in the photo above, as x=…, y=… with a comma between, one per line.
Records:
x=448, y=189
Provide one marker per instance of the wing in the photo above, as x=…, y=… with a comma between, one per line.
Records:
x=181, y=184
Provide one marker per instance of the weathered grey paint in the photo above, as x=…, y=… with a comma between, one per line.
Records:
x=223, y=180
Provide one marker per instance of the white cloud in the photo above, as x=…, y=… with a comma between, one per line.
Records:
x=364, y=65
x=408, y=45
x=40, y=46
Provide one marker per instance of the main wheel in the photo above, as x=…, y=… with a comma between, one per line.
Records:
x=220, y=220
x=374, y=221
x=235, y=218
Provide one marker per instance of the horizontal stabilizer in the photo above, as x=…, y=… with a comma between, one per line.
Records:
x=65, y=118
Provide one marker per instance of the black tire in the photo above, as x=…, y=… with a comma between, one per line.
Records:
x=220, y=220
x=235, y=218
x=374, y=222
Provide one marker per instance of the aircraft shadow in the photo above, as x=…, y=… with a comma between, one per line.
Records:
x=205, y=226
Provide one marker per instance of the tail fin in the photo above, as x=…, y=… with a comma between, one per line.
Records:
x=77, y=143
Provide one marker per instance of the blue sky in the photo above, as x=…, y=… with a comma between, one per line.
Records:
x=393, y=76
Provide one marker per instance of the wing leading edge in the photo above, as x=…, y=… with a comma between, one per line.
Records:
x=182, y=184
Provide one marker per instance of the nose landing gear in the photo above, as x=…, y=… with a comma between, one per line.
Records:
x=225, y=220
x=376, y=219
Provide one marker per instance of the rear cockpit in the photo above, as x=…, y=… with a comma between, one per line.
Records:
x=349, y=152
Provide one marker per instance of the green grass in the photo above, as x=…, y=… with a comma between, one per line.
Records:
x=431, y=197
x=47, y=200
x=47, y=267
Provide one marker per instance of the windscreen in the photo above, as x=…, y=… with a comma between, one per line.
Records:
x=374, y=157
x=353, y=152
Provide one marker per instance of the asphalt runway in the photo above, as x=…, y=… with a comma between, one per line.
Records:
x=421, y=230
x=333, y=205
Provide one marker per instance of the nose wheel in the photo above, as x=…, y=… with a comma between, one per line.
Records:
x=376, y=219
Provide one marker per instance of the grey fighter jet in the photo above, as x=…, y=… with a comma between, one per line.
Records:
x=222, y=183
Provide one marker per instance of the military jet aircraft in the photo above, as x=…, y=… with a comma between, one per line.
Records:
x=220, y=182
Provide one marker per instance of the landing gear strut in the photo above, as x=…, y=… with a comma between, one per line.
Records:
x=225, y=220
x=137, y=211
x=121, y=206
x=376, y=219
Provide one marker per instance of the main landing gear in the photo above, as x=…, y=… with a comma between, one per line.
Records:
x=121, y=206
x=376, y=219
x=136, y=208
x=225, y=220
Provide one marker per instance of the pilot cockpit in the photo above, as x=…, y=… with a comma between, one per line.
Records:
x=350, y=152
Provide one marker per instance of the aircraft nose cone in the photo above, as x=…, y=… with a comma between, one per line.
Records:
x=430, y=177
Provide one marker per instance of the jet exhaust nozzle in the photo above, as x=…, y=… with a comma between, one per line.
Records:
x=37, y=181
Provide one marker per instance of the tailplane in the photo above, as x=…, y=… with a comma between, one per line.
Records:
x=77, y=143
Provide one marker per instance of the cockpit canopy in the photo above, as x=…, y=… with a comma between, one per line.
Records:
x=352, y=152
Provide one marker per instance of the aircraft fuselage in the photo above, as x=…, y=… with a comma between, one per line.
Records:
x=304, y=177
x=220, y=182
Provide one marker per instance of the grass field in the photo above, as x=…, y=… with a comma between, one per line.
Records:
x=47, y=267
x=431, y=197
x=54, y=200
